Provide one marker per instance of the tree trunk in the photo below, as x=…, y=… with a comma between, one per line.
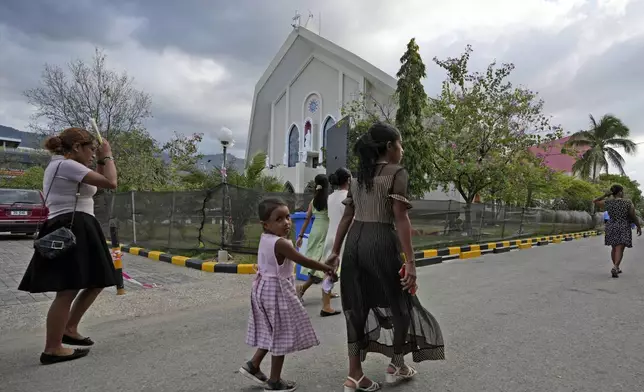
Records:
x=528, y=200
x=594, y=172
x=467, y=225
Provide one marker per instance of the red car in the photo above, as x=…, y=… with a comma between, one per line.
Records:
x=21, y=210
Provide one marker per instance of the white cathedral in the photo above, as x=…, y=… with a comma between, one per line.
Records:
x=300, y=97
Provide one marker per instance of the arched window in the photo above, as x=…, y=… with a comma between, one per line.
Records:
x=288, y=188
x=327, y=124
x=308, y=140
x=293, y=146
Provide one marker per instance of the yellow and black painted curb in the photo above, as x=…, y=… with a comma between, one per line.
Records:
x=437, y=256
x=423, y=257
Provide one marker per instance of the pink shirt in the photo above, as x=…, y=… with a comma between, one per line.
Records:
x=267, y=265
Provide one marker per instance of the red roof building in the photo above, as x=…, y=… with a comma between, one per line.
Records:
x=554, y=158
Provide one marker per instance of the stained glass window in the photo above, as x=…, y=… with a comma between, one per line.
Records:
x=330, y=122
x=293, y=146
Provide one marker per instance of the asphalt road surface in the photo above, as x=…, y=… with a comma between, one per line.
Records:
x=543, y=319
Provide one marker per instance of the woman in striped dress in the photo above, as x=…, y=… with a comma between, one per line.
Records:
x=382, y=313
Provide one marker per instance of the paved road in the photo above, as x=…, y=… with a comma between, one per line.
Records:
x=545, y=319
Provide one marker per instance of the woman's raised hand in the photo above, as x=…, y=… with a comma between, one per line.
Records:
x=104, y=150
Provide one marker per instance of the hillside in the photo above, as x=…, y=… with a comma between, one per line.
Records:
x=35, y=141
x=27, y=139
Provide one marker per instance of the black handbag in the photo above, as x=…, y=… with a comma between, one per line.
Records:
x=61, y=240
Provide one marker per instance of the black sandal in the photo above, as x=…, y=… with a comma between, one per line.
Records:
x=252, y=373
x=77, y=342
x=327, y=314
x=49, y=359
x=280, y=385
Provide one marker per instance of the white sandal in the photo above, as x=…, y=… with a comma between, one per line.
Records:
x=371, y=388
x=396, y=376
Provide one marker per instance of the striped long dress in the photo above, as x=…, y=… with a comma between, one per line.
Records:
x=382, y=317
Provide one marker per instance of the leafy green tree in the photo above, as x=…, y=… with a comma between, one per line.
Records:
x=631, y=187
x=601, y=141
x=482, y=124
x=30, y=179
x=139, y=162
x=412, y=102
x=532, y=184
x=183, y=152
x=578, y=194
x=362, y=113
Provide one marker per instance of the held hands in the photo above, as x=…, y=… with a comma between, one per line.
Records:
x=408, y=281
x=333, y=260
x=333, y=263
x=104, y=150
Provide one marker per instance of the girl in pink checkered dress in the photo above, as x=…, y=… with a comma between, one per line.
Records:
x=278, y=323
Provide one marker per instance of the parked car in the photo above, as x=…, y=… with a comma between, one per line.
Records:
x=21, y=210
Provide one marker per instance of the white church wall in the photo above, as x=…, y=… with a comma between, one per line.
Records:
x=320, y=82
x=280, y=131
x=382, y=99
x=350, y=90
x=298, y=176
x=299, y=52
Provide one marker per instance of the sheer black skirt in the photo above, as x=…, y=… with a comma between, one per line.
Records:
x=380, y=316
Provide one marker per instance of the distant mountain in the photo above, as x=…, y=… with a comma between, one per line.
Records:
x=35, y=141
x=27, y=139
x=209, y=162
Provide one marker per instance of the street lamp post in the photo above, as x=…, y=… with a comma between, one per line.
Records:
x=226, y=140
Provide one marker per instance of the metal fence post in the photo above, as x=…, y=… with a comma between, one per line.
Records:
x=481, y=222
x=174, y=200
x=505, y=209
x=447, y=229
x=133, y=219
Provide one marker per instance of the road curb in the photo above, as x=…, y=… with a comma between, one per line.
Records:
x=423, y=257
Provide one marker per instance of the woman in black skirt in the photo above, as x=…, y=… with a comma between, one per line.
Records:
x=382, y=313
x=79, y=275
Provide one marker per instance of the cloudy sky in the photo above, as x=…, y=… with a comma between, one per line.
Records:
x=200, y=59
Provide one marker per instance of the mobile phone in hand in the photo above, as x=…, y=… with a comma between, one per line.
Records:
x=403, y=272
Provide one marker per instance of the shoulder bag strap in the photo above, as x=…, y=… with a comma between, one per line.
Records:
x=75, y=204
x=52, y=183
x=44, y=203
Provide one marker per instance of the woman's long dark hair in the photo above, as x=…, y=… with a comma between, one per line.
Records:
x=370, y=147
x=340, y=177
x=320, y=201
x=615, y=189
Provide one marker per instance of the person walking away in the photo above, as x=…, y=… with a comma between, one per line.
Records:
x=278, y=322
x=317, y=237
x=618, y=232
x=340, y=180
x=78, y=275
x=382, y=313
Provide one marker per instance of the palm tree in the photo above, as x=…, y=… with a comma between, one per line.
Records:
x=600, y=142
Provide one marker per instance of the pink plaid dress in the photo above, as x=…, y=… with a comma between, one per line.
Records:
x=277, y=321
